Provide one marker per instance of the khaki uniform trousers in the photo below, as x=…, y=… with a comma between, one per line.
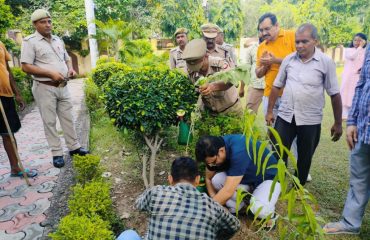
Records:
x=254, y=98
x=52, y=102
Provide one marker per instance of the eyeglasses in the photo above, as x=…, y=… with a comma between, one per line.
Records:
x=261, y=30
x=214, y=162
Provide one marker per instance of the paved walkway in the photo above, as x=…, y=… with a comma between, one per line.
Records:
x=23, y=208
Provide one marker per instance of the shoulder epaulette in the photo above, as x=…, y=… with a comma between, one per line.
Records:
x=29, y=37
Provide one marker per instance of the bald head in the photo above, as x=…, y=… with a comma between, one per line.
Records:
x=308, y=27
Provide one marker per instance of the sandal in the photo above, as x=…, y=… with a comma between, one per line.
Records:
x=338, y=228
x=29, y=172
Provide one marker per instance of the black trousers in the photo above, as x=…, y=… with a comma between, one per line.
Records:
x=308, y=137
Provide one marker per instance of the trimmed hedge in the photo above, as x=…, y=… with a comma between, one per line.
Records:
x=82, y=228
x=91, y=211
x=91, y=199
x=93, y=96
x=104, y=71
x=87, y=168
x=146, y=99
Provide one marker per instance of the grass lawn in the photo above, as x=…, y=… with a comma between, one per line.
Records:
x=120, y=155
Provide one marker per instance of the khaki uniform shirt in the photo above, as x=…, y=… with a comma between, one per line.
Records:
x=218, y=101
x=251, y=53
x=222, y=53
x=231, y=50
x=176, y=60
x=38, y=51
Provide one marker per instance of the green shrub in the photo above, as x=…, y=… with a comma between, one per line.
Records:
x=104, y=59
x=87, y=168
x=147, y=99
x=93, y=96
x=104, y=71
x=73, y=227
x=143, y=47
x=24, y=83
x=219, y=125
x=91, y=199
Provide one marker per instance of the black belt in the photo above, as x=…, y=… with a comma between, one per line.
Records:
x=230, y=106
x=54, y=83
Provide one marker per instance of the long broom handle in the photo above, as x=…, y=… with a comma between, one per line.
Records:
x=13, y=143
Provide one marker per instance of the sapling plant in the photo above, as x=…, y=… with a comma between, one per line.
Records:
x=297, y=218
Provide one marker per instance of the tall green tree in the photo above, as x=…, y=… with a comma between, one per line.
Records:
x=251, y=11
x=284, y=10
x=181, y=13
x=114, y=37
x=6, y=18
x=230, y=19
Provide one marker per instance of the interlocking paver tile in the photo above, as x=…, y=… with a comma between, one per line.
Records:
x=33, y=231
x=47, y=187
x=14, y=209
x=41, y=206
x=4, y=171
x=4, y=184
x=22, y=220
x=7, y=200
x=15, y=182
x=52, y=172
x=15, y=236
x=22, y=207
x=44, y=167
x=6, y=225
x=32, y=197
x=22, y=190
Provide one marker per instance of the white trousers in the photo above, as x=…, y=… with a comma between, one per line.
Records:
x=260, y=195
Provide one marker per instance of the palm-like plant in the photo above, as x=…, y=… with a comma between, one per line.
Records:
x=114, y=36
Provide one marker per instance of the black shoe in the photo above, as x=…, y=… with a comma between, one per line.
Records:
x=58, y=161
x=79, y=151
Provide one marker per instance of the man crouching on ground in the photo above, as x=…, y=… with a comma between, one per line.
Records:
x=179, y=211
x=229, y=166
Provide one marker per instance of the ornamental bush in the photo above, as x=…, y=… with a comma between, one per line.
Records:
x=87, y=168
x=146, y=99
x=24, y=83
x=74, y=227
x=104, y=71
x=93, y=96
x=91, y=199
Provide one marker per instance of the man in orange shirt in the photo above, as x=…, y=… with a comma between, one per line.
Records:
x=8, y=89
x=277, y=44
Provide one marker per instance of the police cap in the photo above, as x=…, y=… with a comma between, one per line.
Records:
x=181, y=30
x=195, y=50
x=39, y=14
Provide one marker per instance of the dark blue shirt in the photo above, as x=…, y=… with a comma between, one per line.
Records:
x=240, y=163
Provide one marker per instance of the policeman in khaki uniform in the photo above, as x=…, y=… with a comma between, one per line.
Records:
x=226, y=46
x=44, y=56
x=217, y=97
x=210, y=32
x=176, y=61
